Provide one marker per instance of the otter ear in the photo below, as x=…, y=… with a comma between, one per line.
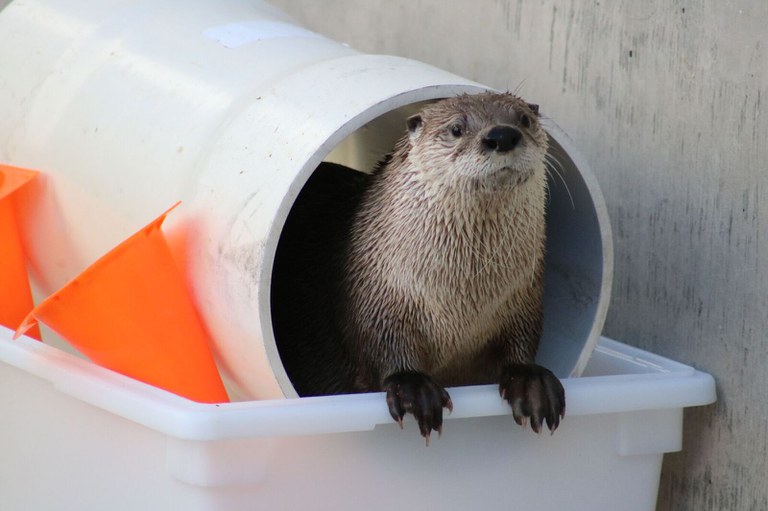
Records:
x=534, y=108
x=414, y=123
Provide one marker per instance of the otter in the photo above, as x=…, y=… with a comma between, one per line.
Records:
x=428, y=273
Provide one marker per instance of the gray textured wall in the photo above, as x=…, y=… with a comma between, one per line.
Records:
x=667, y=101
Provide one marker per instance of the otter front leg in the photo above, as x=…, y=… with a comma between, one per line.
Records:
x=416, y=393
x=534, y=393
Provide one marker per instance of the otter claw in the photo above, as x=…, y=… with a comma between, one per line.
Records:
x=416, y=393
x=535, y=395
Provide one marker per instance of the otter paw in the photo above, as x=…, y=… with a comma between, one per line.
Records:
x=414, y=392
x=534, y=393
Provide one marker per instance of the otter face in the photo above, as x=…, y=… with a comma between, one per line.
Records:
x=487, y=141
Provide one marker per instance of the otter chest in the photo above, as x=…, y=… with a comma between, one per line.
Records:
x=466, y=294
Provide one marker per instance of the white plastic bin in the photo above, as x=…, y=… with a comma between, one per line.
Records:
x=127, y=106
x=77, y=436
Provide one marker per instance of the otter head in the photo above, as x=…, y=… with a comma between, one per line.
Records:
x=487, y=141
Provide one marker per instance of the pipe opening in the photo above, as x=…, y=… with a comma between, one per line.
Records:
x=321, y=214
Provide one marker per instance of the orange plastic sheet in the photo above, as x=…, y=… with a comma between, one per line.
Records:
x=131, y=312
x=15, y=293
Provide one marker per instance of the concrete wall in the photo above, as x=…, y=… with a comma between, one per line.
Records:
x=667, y=101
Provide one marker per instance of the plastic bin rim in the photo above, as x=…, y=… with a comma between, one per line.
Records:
x=671, y=385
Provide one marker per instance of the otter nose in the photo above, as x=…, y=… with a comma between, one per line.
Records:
x=502, y=139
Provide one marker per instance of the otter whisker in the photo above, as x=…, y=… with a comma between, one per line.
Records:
x=553, y=165
x=519, y=87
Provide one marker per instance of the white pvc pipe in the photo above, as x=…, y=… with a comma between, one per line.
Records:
x=128, y=106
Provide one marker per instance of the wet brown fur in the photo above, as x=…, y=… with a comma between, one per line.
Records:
x=443, y=266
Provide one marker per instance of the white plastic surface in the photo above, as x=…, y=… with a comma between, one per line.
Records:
x=77, y=436
x=128, y=106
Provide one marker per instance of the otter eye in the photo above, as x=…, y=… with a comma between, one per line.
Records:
x=456, y=130
x=525, y=121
